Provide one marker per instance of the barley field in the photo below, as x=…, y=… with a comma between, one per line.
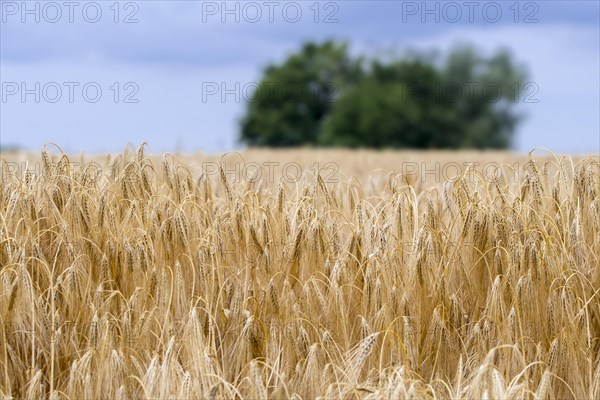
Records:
x=299, y=274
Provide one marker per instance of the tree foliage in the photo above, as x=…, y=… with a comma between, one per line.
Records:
x=324, y=97
x=293, y=99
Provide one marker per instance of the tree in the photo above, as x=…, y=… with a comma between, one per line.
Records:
x=292, y=99
x=487, y=111
x=394, y=106
x=410, y=102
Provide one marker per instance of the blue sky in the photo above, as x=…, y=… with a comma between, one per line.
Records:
x=170, y=50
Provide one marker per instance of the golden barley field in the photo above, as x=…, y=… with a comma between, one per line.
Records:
x=301, y=274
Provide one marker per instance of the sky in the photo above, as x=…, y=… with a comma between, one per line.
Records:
x=97, y=76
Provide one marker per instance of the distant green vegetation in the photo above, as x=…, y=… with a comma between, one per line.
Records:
x=322, y=96
x=9, y=148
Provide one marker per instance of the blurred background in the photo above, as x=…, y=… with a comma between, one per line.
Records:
x=217, y=76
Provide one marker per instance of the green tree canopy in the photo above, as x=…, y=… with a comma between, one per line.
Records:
x=292, y=99
x=409, y=102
